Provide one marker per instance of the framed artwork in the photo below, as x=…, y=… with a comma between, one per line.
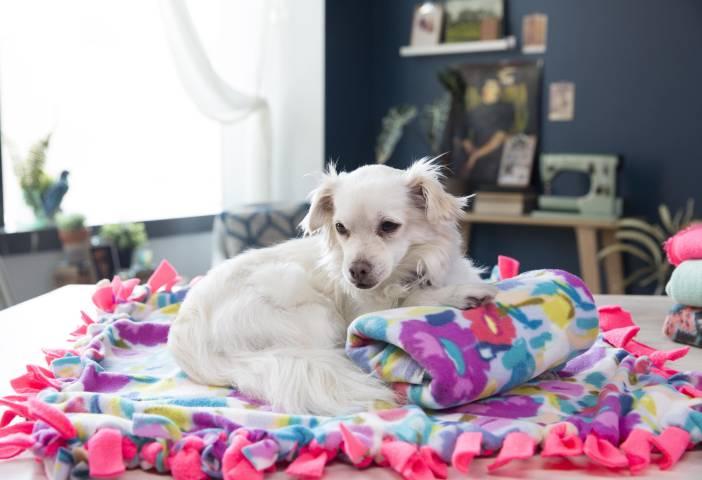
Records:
x=427, y=24
x=534, y=29
x=561, y=102
x=493, y=124
x=104, y=258
x=473, y=20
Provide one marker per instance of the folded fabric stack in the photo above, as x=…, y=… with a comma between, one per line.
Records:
x=684, y=322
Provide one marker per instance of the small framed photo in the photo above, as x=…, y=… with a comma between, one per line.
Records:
x=104, y=258
x=561, y=103
x=534, y=32
x=517, y=161
x=473, y=20
x=427, y=24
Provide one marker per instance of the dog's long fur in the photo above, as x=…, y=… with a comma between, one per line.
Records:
x=272, y=322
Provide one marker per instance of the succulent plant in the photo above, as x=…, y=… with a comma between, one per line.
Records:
x=70, y=222
x=124, y=235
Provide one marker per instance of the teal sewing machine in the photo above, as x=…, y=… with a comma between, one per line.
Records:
x=599, y=201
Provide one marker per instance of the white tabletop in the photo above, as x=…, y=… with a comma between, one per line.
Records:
x=45, y=321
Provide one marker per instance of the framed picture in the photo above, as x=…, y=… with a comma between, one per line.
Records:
x=473, y=20
x=493, y=124
x=534, y=28
x=427, y=24
x=104, y=258
x=561, y=101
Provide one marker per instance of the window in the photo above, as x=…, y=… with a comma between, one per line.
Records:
x=99, y=76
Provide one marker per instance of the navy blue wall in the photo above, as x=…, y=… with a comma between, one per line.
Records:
x=637, y=66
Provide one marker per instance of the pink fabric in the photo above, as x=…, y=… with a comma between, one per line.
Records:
x=398, y=453
x=35, y=380
x=637, y=448
x=560, y=443
x=468, y=446
x=14, y=444
x=672, y=443
x=619, y=330
x=603, y=452
x=516, y=446
x=150, y=451
x=162, y=276
x=684, y=245
x=21, y=427
x=434, y=462
x=690, y=391
x=354, y=448
x=105, y=454
x=614, y=316
x=619, y=337
x=129, y=449
x=185, y=463
x=508, y=267
x=308, y=465
x=52, y=416
x=104, y=298
x=233, y=459
x=243, y=471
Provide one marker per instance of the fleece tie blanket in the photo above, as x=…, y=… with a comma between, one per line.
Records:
x=116, y=400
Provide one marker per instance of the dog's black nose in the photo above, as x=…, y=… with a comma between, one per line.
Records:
x=360, y=272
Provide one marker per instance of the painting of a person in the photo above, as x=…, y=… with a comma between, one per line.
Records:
x=489, y=124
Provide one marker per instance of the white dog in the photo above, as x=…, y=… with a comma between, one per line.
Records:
x=272, y=322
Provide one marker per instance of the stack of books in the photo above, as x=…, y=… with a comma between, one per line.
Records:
x=504, y=203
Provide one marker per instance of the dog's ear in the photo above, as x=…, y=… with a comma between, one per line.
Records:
x=427, y=192
x=321, y=203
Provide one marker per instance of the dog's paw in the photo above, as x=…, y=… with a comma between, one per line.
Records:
x=473, y=295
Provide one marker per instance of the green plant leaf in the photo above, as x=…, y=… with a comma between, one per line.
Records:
x=641, y=239
x=635, y=223
x=625, y=248
x=667, y=222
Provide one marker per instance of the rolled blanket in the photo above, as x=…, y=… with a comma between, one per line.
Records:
x=685, y=284
x=441, y=357
x=684, y=325
x=685, y=245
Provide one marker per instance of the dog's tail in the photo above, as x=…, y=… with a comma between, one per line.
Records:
x=293, y=380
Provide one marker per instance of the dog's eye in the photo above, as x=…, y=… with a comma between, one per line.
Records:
x=389, y=227
x=341, y=228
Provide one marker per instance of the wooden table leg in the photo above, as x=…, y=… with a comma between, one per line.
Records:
x=613, y=265
x=587, y=254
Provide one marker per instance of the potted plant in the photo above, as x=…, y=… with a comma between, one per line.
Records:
x=71, y=229
x=125, y=237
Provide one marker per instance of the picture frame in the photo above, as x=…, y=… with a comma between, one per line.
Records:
x=473, y=20
x=427, y=24
x=494, y=120
x=104, y=260
x=534, y=33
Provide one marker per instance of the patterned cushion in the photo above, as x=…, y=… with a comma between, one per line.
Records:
x=255, y=226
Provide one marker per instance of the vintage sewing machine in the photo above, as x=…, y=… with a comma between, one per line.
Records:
x=599, y=201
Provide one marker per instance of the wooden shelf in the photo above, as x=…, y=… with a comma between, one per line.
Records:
x=544, y=221
x=506, y=43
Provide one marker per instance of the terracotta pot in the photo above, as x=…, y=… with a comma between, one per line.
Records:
x=72, y=237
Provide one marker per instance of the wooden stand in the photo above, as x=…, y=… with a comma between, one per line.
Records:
x=589, y=232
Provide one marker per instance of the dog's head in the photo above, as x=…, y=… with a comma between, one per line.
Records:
x=376, y=217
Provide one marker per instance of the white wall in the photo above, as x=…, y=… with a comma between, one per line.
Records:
x=32, y=274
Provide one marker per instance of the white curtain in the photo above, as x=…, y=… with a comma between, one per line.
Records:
x=262, y=78
x=245, y=117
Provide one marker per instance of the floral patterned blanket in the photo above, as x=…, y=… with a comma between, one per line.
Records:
x=528, y=375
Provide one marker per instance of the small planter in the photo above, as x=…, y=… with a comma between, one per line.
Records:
x=125, y=258
x=74, y=237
